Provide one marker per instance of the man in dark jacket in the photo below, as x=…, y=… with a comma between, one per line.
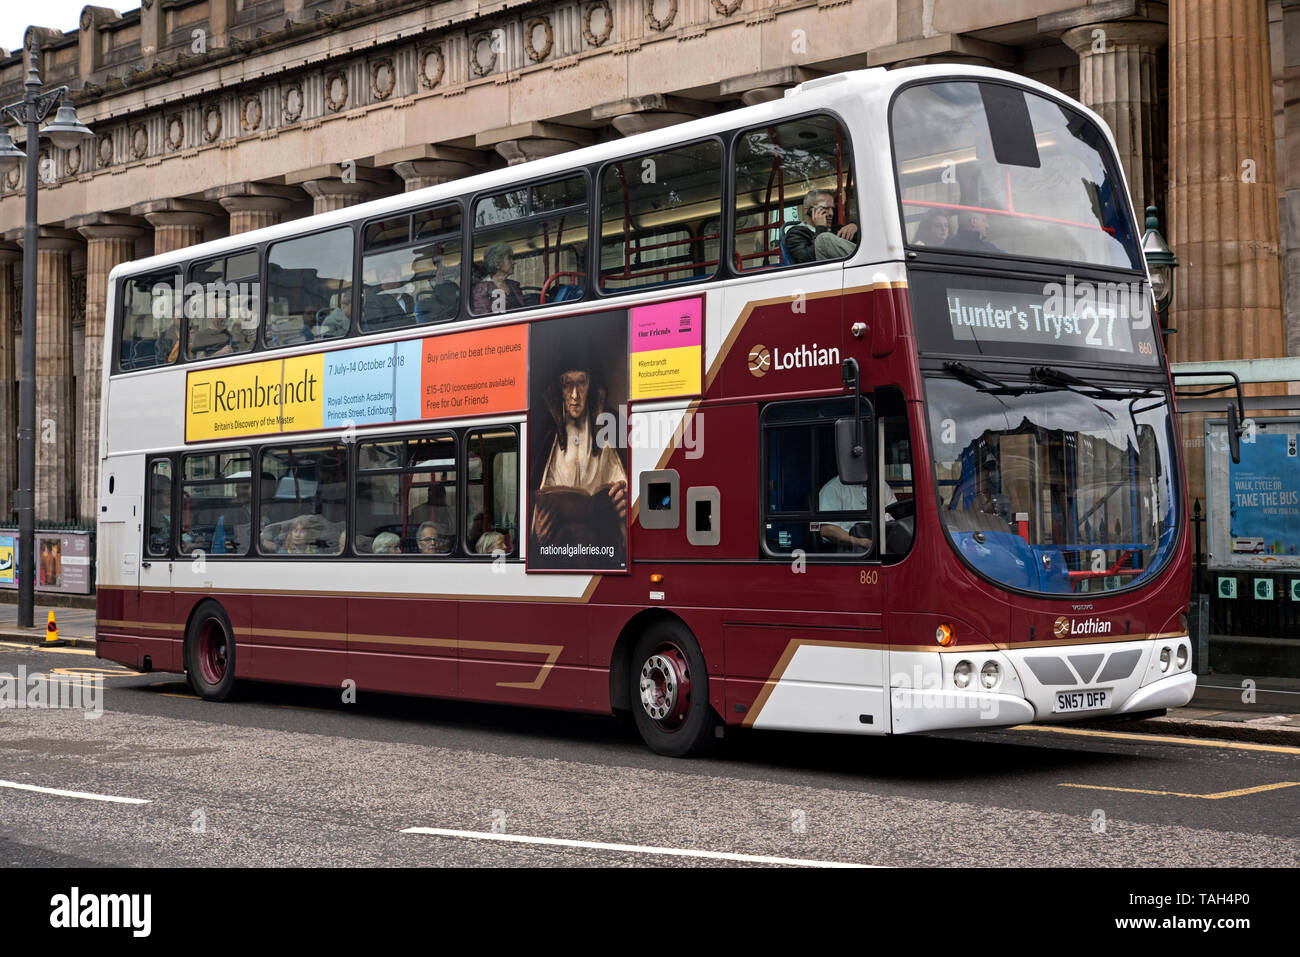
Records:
x=812, y=238
x=973, y=235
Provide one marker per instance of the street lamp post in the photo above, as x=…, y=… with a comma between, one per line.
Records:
x=65, y=132
x=1161, y=262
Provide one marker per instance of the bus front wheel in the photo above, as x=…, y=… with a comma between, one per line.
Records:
x=210, y=653
x=670, y=692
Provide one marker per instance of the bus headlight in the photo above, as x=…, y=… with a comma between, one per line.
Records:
x=944, y=635
x=1181, y=657
x=962, y=673
x=1164, y=658
x=990, y=674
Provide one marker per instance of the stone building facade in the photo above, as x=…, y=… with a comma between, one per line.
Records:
x=214, y=117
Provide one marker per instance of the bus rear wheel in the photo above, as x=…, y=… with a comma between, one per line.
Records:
x=210, y=653
x=670, y=692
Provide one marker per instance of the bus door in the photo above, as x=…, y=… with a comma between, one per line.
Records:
x=156, y=567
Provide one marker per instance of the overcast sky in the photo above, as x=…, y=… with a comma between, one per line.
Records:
x=17, y=15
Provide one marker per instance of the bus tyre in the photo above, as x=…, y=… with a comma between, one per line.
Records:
x=210, y=653
x=670, y=692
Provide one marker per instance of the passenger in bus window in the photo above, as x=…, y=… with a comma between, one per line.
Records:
x=335, y=321
x=814, y=237
x=973, y=234
x=933, y=230
x=437, y=293
x=432, y=540
x=491, y=542
x=211, y=339
x=386, y=543
x=301, y=537
x=498, y=292
x=391, y=305
x=835, y=496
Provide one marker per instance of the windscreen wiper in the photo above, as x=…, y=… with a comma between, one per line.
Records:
x=1051, y=376
x=972, y=376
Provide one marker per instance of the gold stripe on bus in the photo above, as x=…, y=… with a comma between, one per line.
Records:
x=783, y=663
x=551, y=652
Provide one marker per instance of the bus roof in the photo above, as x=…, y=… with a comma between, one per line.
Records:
x=864, y=93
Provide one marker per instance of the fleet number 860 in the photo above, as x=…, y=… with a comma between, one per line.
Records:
x=868, y=576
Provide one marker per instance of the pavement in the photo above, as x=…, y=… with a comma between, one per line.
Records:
x=1228, y=707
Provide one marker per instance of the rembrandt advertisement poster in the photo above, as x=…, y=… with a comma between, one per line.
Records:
x=578, y=490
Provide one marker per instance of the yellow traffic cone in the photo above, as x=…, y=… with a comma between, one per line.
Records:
x=52, y=633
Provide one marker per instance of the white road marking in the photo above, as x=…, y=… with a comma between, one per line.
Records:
x=84, y=795
x=628, y=848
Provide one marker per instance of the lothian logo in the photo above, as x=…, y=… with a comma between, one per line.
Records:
x=1064, y=628
x=762, y=360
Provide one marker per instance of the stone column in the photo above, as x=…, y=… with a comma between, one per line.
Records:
x=1223, y=188
x=332, y=187
x=1117, y=80
x=532, y=140
x=56, y=414
x=110, y=240
x=177, y=223
x=426, y=165
x=11, y=264
x=253, y=205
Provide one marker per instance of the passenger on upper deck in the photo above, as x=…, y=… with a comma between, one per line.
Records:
x=498, y=292
x=933, y=230
x=811, y=238
x=973, y=235
x=389, y=306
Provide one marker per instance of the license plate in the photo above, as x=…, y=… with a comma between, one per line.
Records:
x=1089, y=699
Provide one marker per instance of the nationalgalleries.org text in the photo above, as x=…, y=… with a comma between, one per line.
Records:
x=569, y=551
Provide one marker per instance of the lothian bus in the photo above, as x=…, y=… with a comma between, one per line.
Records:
x=840, y=413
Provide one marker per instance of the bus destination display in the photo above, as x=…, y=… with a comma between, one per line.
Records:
x=1058, y=317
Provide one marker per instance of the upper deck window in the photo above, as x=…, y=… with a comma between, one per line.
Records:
x=530, y=246
x=309, y=288
x=653, y=210
x=221, y=308
x=988, y=168
x=794, y=194
x=150, y=323
x=411, y=269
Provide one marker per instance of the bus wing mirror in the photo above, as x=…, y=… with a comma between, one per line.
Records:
x=850, y=452
x=1234, y=435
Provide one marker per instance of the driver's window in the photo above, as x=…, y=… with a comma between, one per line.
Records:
x=806, y=506
x=530, y=246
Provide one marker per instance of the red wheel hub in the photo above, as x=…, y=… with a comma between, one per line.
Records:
x=665, y=687
x=213, y=655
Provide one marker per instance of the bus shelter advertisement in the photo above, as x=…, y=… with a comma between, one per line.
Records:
x=1255, y=503
x=62, y=561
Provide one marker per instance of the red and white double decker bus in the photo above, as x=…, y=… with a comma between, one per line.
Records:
x=842, y=413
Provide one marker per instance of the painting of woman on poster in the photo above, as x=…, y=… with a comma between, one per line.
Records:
x=577, y=473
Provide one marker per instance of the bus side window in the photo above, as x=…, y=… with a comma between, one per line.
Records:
x=216, y=503
x=158, y=543
x=794, y=195
x=492, y=492
x=650, y=207
x=221, y=319
x=150, y=324
x=530, y=246
x=309, y=288
x=410, y=272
